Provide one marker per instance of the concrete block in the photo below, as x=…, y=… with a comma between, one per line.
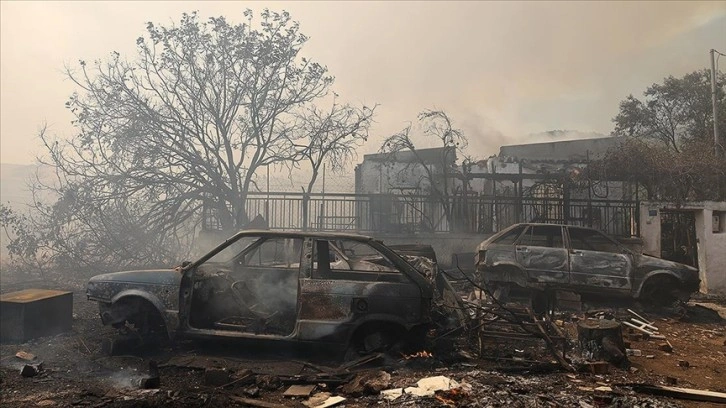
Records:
x=33, y=313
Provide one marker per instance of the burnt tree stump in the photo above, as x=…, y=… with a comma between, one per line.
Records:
x=602, y=340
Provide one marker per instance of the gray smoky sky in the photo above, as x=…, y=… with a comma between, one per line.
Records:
x=503, y=71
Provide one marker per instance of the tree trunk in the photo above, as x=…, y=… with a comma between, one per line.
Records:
x=601, y=340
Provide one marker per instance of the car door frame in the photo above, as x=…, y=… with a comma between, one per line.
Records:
x=349, y=303
x=550, y=274
x=594, y=261
x=186, y=286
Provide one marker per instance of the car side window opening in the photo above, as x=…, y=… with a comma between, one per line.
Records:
x=275, y=253
x=233, y=250
x=543, y=236
x=511, y=236
x=333, y=256
x=590, y=240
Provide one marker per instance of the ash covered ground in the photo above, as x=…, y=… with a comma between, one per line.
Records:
x=77, y=370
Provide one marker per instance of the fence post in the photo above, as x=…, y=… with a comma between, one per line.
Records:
x=637, y=217
x=321, y=218
x=566, y=204
x=305, y=214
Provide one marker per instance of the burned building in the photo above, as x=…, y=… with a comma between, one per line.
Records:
x=542, y=168
x=418, y=171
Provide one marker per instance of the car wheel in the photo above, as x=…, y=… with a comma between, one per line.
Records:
x=144, y=321
x=500, y=292
x=373, y=340
x=660, y=291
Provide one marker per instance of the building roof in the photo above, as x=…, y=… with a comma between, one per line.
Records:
x=435, y=155
x=568, y=150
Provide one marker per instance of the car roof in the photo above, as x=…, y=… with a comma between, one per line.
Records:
x=299, y=233
x=549, y=225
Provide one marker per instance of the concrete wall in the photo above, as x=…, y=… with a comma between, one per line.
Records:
x=711, y=246
x=379, y=177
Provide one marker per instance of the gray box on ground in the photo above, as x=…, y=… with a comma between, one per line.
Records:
x=33, y=313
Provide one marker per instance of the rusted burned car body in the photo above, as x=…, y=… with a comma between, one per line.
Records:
x=279, y=286
x=583, y=260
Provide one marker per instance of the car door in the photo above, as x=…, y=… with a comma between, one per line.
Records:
x=247, y=286
x=541, y=252
x=352, y=282
x=597, y=262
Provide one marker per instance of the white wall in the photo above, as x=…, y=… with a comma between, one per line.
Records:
x=384, y=177
x=711, y=246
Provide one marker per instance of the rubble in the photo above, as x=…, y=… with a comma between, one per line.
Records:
x=317, y=399
x=299, y=391
x=31, y=370
x=153, y=380
x=331, y=401
x=371, y=382
x=682, y=393
x=256, y=403
x=25, y=356
x=458, y=367
x=216, y=377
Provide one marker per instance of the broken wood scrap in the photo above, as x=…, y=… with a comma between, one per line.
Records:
x=330, y=379
x=24, y=355
x=80, y=339
x=246, y=376
x=638, y=328
x=681, y=393
x=256, y=403
x=334, y=400
x=551, y=346
x=645, y=325
x=299, y=390
x=639, y=316
x=359, y=362
x=318, y=368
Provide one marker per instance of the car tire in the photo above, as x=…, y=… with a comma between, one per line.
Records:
x=146, y=320
x=370, y=340
x=500, y=292
x=660, y=291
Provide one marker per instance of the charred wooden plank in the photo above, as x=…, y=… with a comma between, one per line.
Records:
x=681, y=393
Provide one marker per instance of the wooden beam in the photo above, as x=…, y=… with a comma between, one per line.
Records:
x=681, y=393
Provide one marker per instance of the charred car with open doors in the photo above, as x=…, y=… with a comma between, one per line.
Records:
x=328, y=288
x=540, y=257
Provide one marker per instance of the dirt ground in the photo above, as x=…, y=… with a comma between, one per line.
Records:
x=76, y=372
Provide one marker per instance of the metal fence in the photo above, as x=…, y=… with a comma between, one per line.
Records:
x=408, y=213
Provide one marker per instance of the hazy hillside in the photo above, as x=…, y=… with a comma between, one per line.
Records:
x=14, y=179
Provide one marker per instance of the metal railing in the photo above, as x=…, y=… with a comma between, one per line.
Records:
x=409, y=213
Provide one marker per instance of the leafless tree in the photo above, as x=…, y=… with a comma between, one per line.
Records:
x=187, y=123
x=439, y=172
x=332, y=136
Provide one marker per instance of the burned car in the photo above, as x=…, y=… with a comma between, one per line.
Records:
x=327, y=288
x=540, y=257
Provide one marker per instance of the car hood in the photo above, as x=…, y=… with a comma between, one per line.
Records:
x=653, y=263
x=151, y=276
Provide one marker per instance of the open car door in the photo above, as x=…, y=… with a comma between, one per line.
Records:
x=249, y=288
